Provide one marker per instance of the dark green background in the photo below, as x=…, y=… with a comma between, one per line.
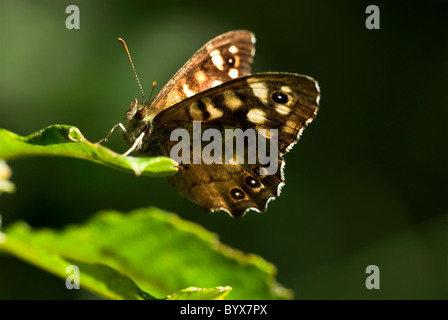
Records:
x=367, y=184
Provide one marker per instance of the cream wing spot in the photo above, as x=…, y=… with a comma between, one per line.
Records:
x=286, y=89
x=282, y=109
x=216, y=83
x=212, y=110
x=233, y=49
x=200, y=76
x=233, y=73
x=187, y=91
x=195, y=112
x=232, y=101
x=217, y=59
x=261, y=91
x=256, y=116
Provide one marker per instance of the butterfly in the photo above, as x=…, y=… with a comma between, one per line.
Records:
x=216, y=89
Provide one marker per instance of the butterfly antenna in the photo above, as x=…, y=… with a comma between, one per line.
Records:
x=132, y=65
x=154, y=84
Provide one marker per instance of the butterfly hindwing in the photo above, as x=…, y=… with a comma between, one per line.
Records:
x=214, y=184
x=229, y=187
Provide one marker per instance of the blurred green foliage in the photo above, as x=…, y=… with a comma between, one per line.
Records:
x=367, y=183
x=159, y=251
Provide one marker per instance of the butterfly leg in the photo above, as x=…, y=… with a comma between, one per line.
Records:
x=112, y=130
x=137, y=142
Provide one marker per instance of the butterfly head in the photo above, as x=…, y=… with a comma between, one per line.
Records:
x=138, y=120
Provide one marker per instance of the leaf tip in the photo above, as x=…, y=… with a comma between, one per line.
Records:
x=75, y=135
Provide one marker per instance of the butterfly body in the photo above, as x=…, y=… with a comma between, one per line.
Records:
x=216, y=90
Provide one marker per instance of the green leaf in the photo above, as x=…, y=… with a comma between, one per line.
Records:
x=68, y=141
x=193, y=293
x=159, y=251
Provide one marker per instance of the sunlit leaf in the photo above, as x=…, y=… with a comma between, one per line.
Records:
x=68, y=141
x=159, y=251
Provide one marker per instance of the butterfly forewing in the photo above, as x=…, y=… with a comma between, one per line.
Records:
x=224, y=58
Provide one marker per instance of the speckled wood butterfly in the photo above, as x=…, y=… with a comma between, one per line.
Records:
x=216, y=89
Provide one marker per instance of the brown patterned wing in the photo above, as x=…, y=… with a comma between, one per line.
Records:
x=223, y=58
x=281, y=101
x=232, y=188
x=286, y=102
